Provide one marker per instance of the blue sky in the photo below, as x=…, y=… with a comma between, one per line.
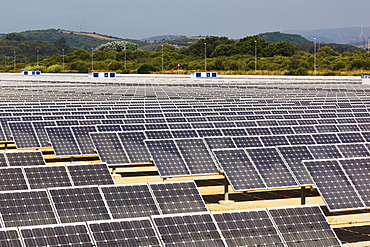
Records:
x=139, y=19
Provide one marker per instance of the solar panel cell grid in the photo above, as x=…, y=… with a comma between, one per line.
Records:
x=81, y=134
x=191, y=230
x=63, y=141
x=196, y=155
x=26, y=208
x=90, y=174
x=23, y=134
x=248, y=228
x=353, y=150
x=109, y=148
x=130, y=232
x=239, y=170
x=304, y=226
x=167, y=158
x=247, y=141
x=133, y=143
x=29, y=158
x=41, y=177
x=12, y=178
x=181, y=197
x=271, y=167
x=325, y=152
x=57, y=235
x=79, y=204
x=129, y=201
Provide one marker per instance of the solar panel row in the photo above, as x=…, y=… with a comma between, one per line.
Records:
x=25, y=158
x=40, y=177
x=293, y=226
x=89, y=203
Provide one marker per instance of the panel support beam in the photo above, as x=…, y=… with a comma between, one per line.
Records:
x=303, y=195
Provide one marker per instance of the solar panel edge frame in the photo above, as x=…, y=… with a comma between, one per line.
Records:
x=254, y=167
x=323, y=198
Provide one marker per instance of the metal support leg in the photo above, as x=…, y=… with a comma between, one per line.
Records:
x=303, y=195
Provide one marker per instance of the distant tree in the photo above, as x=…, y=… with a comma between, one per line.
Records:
x=14, y=37
x=281, y=48
x=61, y=44
x=247, y=45
x=147, y=69
x=117, y=46
x=208, y=45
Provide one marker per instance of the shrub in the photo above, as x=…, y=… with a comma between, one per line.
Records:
x=147, y=69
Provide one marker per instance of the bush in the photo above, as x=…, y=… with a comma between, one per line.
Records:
x=56, y=68
x=147, y=69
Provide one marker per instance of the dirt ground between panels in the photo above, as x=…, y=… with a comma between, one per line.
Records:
x=352, y=228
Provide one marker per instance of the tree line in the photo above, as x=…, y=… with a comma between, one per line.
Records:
x=249, y=55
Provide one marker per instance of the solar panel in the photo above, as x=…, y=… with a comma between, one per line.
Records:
x=75, y=234
x=128, y=232
x=23, y=134
x=90, y=174
x=108, y=127
x=27, y=158
x=300, y=139
x=128, y=201
x=41, y=177
x=177, y=197
x=326, y=138
x=81, y=134
x=158, y=134
x=269, y=141
x=247, y=141
x=187, y=133
x=294, y=155
x=281, y=130
x=219, y=142
x=239, y=170
x=347, y=127
x=209, y=132
x=5, y=127
x=12, y=178
x=304, y=129
x=271, y=167
x=234, y=132
x=353, y=150
x=63, y=141
x=79, y=204
x=9, y=237
x=193, y=230
x=197, y=156
x=26, y=208
x=133, y=143
x=167, y=158
x=333, y=185
x=304, y=226
x=109, y=148
x=325, y=152
x=358, y=171
x=350, y=137
x=258, y=131
x=248, y=228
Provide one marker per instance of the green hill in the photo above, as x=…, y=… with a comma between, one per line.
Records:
x=274, y=37
x=81, y=40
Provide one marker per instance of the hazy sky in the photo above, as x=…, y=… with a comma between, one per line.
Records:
x=139, y=19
